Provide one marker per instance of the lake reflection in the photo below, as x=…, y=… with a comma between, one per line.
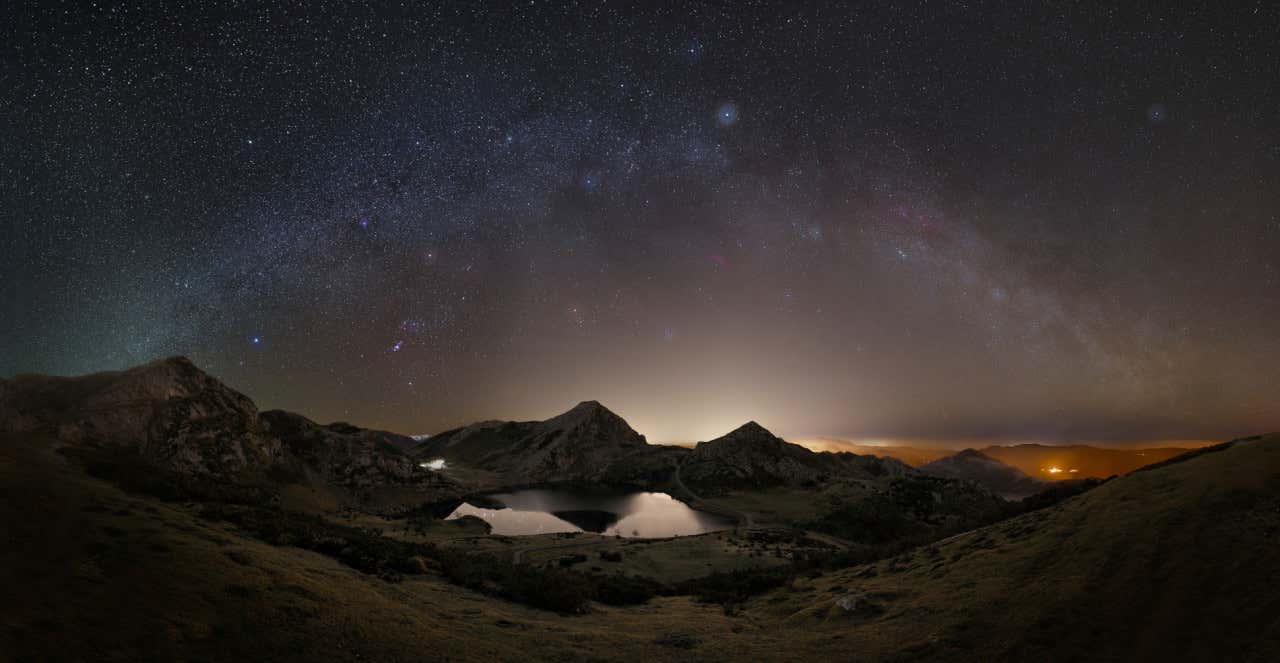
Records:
x=545, y=511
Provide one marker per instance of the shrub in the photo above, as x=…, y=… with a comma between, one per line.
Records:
x=624, y=590
x=362, y=549
x=736, y=586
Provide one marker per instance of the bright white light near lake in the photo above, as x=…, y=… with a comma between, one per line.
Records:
x=433, y=465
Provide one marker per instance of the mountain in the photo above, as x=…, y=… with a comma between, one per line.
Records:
x=179, y=417
x=587, y=443
x=971, y=465
x=752, y=457
x=169, y=421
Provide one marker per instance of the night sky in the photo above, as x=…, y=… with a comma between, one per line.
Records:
x=918, y=221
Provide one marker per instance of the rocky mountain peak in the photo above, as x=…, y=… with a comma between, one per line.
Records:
x=587, y=410
x=591, y=414
x=750, y=430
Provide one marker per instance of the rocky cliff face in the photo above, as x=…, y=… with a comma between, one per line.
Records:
x=179, y=417
x=752, y=457
x=580, y=444
x=587, y=443
x=971, y=465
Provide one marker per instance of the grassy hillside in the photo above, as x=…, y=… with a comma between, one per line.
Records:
x=1174, y=563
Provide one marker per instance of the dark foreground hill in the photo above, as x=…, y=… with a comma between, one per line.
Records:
x=1176, y=562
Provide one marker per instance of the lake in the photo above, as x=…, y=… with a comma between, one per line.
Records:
x=638, y=515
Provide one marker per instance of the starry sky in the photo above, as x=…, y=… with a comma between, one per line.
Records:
x=903, y=221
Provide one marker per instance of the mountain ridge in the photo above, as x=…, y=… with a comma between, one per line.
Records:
x=190, y=425
x=750, y=456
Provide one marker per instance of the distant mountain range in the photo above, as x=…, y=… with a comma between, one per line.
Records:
x=591, y=444
x=190, y=426
x=1042, y=461
x=1078, y=460
x=1004, y=480
x=913, y=456
x=186, y=423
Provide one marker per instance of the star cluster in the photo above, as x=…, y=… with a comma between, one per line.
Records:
x=905, y=220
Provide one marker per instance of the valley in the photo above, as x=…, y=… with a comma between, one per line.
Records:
x=155, y=514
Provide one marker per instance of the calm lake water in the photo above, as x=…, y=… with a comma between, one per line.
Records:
x=544, y=511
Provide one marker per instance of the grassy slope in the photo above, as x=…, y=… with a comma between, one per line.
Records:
x=1175, y=563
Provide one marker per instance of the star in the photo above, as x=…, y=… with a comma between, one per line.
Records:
x=727, y=114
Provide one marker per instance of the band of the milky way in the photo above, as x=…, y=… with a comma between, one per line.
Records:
x=911, y=221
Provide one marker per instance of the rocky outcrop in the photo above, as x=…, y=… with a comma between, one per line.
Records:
x=1004, y=480
x=752, y=457
x=178, y=416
